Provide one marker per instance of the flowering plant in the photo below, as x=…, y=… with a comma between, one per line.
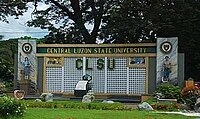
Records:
x=190, y=95
x=11, y=107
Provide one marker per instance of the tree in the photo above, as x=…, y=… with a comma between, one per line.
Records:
x=127, y=22
x=67, y=19
x=139, y=21
x=117, y=21
x=1, y=37
x=7, y=50
x=11, y=8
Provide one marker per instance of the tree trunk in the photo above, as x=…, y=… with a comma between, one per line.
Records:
x=88, y=38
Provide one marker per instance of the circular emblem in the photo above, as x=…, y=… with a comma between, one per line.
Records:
x=19, y=94
x=166, y=47
x=27, y=48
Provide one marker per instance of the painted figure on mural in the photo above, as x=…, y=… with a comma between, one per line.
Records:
x=166, y=69
x=137, y=60
x=27, y=66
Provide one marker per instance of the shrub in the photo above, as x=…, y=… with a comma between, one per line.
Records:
x=11, y=107
x=190, y=95
x=169, y=91
x=106, y=106
x=169, y=106
x=76, y=105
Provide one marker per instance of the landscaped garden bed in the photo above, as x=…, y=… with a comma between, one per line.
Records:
x=62, y=113
x=78, y=110
x=75, y=105
x=9, y=108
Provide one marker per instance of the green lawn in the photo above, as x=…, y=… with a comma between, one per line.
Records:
x=62, y=113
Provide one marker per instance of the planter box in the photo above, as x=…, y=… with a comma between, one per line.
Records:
x=167, y=100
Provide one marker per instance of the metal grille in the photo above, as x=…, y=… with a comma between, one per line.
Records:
x=53, y=79
x=117, y=77
x=71, y=74
x=137, y=80
x=98, y=76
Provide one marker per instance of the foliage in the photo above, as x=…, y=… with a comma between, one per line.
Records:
x=166, y=105
x=1, y=37
x=190, y=95
x=169, y=106
x=66, y=19
x=11, y=8
x=120, y=21
x=105, y=106
x=2, y=87
x=7, y=51
x=76, y=105
x=11, y=107
x=169, y=91
x=133, y=21
x=151, y=101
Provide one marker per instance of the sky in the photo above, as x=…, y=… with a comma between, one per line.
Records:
x=17, y=28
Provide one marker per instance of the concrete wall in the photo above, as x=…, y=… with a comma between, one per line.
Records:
x=152, y=75
x=181, y=69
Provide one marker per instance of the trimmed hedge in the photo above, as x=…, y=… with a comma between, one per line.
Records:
x=167, y=106
x=76, y=105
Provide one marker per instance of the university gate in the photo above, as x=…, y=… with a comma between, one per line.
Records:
x=115, y=68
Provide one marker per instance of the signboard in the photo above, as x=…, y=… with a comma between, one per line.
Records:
x=81, y=85
x=97, y=50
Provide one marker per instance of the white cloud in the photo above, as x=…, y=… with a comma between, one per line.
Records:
x=18, y=28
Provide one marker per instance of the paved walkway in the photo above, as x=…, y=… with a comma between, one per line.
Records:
x=182, y=113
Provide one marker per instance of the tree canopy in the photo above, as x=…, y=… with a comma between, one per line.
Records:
x=117, y=21
x=11, y=8
x=67, y=19
x=7, y=51
x=143, y=20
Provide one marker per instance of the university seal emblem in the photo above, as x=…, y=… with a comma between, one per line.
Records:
x=27, y=48
x=166, y=47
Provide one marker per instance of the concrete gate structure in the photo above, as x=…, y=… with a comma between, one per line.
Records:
x=115, y=68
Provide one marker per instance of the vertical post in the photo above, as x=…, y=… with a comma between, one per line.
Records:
x=106, y=67
x=84, y=65
x=147, y=76
x=127, y=81
x=44, y=76
x=62, y=84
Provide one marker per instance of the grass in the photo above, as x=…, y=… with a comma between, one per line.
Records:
x=62, y=113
